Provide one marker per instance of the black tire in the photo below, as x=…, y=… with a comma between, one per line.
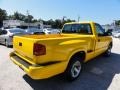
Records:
x=73, y=69
x=108, y=51
x=6, y=43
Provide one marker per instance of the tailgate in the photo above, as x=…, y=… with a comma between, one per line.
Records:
x=24, y=46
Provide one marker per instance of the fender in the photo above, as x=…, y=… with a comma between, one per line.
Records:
x=81, y=45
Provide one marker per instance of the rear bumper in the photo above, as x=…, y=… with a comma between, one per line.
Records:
x=36, y=71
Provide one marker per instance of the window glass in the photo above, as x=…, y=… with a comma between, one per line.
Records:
x=33, y=30
x=4, y=32
x=77, y=28
x=99, y=30
x=16, y=31
x=67, y=28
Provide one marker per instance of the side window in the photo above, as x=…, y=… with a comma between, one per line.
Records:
x=85, y=29
x=75, y=27
x=67, y=28
x=99, y=30
x=82, y=28
x=3, y=32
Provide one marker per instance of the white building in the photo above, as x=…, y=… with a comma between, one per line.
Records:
x=22, y=24
x=12, y=23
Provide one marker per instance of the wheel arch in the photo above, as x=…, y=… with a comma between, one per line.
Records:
x=80, y=53
x=75, y=56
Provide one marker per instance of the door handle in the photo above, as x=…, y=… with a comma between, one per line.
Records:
x=98, y=40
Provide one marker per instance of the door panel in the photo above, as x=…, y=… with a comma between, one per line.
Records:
x=101, y=40
x=101, y=43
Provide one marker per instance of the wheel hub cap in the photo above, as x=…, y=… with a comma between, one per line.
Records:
x=76, y=68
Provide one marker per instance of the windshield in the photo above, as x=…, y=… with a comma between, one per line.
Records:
x=33, y=30
x=77, y=28
x=16, y=31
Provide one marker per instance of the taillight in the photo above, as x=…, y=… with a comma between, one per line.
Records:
x=39, y=49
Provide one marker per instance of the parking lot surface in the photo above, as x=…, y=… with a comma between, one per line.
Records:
x=102, y=73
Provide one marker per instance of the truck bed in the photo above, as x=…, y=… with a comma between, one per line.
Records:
x=24, y=45
x=45, y=36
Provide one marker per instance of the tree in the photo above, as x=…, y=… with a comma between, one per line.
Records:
x=29, y=19
x=22, y=17
x=10, y=17
x=57, y=24
x=117, y=22
x=17, y=16
x=3, y=16
x=34, y=20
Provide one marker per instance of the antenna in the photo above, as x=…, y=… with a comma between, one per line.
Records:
x=28, y=18
x=78, y=18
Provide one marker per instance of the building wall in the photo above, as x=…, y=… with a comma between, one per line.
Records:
x=18, y=23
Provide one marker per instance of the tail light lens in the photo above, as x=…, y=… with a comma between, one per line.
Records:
x=39, y=49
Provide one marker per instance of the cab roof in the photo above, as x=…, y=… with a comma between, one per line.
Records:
x=80, y=22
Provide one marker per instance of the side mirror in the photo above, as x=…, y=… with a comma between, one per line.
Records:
x=109, y=32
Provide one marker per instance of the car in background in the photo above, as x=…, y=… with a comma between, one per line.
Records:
x=116, y=34
x=51, y=31
x=6, y=35
x=34, y=31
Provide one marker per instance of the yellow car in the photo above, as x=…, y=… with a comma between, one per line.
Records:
x=44, y=56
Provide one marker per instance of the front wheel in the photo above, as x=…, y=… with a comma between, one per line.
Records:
x=74, y=69
x=108, y=51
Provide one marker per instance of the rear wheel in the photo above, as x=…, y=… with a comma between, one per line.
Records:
x=74, y=69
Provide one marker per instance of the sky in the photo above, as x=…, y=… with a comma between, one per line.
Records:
x=100, y=11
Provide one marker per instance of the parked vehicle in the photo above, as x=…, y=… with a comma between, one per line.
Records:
x=44, y=56
x=6, y=35
x=34, y=31
x=116, y=34
x=51, y=31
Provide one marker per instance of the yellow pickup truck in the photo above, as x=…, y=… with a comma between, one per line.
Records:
x=44, y=56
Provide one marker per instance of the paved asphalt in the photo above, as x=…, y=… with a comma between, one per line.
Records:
x=102, y=73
